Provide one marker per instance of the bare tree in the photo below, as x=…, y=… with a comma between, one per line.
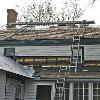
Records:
x=44, y=10
x=39, y=11
x=48, y=11
x=34, y=11
x=93, y=1
x=72, y=10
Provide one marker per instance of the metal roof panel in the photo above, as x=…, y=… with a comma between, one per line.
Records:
x=9, y=65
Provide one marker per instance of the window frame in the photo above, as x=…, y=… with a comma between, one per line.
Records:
x=18, y=96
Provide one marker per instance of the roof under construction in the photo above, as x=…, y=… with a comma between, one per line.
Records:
x=51, y=72
x=54, y=32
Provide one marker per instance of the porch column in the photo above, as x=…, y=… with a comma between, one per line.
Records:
x=71, y=85
x=90, y=91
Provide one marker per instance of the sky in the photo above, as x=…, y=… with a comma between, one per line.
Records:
x=91, y=11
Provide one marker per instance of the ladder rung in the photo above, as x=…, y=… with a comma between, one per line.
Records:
x=76, y=42
x=76, y=39
x=75, y=45
x=60, y=85
x=60, y=81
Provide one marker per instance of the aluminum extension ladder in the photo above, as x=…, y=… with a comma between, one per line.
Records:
x=60, y=87
x=76, y=44
x=75, y=57
x=59, y=95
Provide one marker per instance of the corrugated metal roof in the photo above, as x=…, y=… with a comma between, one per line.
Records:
x=9, y=65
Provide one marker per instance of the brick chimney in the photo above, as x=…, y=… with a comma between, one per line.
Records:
x=11, y=17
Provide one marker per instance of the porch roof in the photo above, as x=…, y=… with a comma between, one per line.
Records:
x=10, y=65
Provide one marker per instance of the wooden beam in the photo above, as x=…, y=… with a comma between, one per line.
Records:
x=52, y=23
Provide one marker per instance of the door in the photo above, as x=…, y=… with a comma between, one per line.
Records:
x=43, y=92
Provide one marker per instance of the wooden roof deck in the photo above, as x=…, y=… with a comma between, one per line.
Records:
x=50, y=33
x=82, y=72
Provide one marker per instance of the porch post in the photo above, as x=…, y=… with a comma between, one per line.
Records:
x=71, y=91
x=90, y=91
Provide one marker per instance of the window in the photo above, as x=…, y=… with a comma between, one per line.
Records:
x=17, y=92
x=80, y=91
x=66, y=91
x=96, y=91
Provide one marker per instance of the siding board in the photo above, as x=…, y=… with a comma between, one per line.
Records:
x=2, y=84
x=91, y=52
x=31, y=89
x=10, y=89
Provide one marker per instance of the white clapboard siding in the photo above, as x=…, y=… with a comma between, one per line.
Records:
x=91, y=52
x=9, y=92
x=43, y=50
x=22, y=91
x=40, y=50
x=2, y=84
x=10, y=89
x=30, y=90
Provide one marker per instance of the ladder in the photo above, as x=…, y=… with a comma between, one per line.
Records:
x=76, y=40
x=60, y=88
x=59, y=93
x=75, y=48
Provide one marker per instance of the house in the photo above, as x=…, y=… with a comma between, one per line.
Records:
x=66, y=63
x=60, y=81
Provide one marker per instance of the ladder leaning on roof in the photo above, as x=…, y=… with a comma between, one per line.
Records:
x=75, y=49
x=60, y=85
